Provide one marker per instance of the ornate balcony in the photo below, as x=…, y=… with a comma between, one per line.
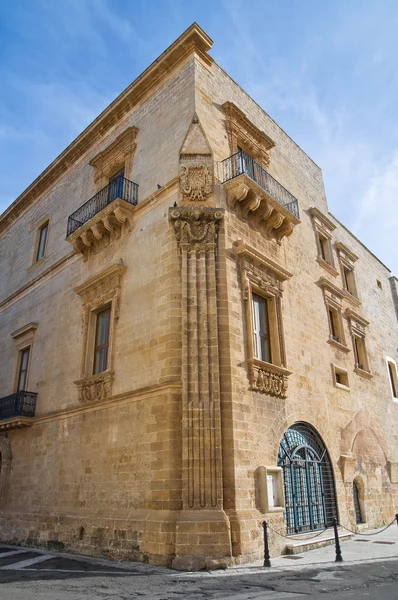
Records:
x=259, y=198
x=17, y=410
x=104, y=217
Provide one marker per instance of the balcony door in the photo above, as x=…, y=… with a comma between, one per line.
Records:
x=115, y=188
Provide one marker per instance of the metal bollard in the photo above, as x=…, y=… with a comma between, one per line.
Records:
x=396, y=516
x=267, y=562
x=338, y=558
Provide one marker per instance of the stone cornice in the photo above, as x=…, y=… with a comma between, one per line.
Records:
x=123, y=141
x=242, y=249
x=349, y=254
x=315, y=212
x=30, y=327
x=238, y=118
x=103, y=277
x=352, y=315
x=111, y=402
x=193, y=40
x=326, y=284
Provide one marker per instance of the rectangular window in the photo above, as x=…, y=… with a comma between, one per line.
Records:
x=102, y=341
x=392, y=371
x=23, y=369
x=261, y=335
x=334, y=325
x=349, y=281
x=322, y=246
x=41, y=246
x=360, y=353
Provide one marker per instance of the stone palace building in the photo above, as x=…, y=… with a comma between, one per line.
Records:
x=190, y=342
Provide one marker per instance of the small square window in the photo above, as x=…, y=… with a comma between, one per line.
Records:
x=42, y=241
x=340, y=377
x=379, y=284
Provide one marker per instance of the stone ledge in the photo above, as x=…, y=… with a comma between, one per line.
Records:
x=313, y=544
x=16, y=423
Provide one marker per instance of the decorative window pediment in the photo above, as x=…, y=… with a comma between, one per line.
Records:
x=263, y=278
x=118, y=155
x=242, y=133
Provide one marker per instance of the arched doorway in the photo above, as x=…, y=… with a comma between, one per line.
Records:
x=310, y=496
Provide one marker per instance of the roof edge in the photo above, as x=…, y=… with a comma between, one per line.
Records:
x=192, y=40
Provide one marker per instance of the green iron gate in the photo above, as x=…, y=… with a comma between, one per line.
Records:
x=310, y=497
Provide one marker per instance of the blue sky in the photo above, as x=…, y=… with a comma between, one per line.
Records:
x=326, y=71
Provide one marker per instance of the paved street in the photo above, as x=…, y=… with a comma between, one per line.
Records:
x=370, y=571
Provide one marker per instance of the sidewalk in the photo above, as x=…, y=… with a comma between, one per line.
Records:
x=360, y=549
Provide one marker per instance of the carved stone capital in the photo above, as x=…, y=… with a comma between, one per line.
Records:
x=196, y=225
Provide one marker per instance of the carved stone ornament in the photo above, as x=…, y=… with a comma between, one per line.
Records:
x=196, y=225
x=242, y=132
x=117, y=155
x=95, y=388
x=196, y=164
x=196, y=181
x=268, y=380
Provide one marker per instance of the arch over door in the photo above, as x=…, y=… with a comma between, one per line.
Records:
x=310, y=495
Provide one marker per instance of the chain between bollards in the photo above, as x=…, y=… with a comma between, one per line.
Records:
x=339, y=558
x=267, y=562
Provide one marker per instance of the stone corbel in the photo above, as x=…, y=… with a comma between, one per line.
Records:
x=238, y=194
x=102, y=229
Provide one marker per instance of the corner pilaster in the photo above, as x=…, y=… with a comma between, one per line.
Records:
x=203, y=532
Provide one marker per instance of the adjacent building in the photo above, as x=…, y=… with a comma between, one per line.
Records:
x=191, y=343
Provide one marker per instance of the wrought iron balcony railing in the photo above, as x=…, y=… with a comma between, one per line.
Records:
x=241, y=163
x=20, y=404
x=120, y=187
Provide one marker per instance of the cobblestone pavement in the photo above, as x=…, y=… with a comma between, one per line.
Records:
x=370, y=571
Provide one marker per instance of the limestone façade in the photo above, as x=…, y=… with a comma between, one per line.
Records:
x=157, y=459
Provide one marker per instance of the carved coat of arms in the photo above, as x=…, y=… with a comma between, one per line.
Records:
x=196, y=181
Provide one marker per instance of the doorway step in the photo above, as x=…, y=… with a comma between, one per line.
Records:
x=297, y=546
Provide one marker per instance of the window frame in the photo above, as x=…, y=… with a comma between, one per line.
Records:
x=337, y=372
x=264, y=278
x=347, y=259
x=323, y=228
x=98, y=294
x=22, y=352
x=357, y=326
x=392, y=371
x=333, y=301
x=106, y=345
x=23, y=339
x=44, y=226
